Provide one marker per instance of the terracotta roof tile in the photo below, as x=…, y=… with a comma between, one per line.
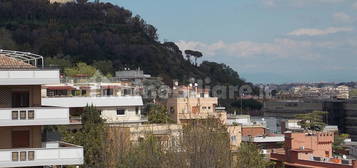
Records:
x=8, y=62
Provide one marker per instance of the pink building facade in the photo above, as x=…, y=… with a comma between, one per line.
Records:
x=309, y=150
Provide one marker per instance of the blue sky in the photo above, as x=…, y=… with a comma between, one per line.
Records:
x=264, y=40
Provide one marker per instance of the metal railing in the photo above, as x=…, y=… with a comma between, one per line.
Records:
x=27, y=68
x=27, y=57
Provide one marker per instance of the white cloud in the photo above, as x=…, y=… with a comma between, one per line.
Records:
x=304, y=59
x=319, y=32
x=342, y=17
x=279, y=48
x=298, y=3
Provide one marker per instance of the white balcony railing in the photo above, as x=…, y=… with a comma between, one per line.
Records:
x=263, y=139
x=29, y=76
x=34, y=116
x=63, y=154
x=112, y=101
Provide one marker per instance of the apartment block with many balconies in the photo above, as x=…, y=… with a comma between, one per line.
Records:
x=118, y=102
x=22, y=118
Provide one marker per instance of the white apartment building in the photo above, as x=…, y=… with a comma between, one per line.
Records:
x=23, y=119
x=118, y=103
x=343, y=92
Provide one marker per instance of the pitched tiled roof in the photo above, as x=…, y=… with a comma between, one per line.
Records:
x=8, y=62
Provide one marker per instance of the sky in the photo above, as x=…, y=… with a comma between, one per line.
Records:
x=265, y=41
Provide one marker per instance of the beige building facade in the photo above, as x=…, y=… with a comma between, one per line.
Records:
x=190, y=103
x=235, y=135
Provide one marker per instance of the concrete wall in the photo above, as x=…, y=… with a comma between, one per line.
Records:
x=110, y=114
x=35, y=136
x=137, y=132
x=141, y=131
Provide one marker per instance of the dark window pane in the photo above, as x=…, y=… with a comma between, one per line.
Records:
x=120, y=112
x=23, y=156
x=23, y=115
x=15, y=115
x=31, y=155
x=136, y=110
x=20, y=99
x=31, y=114
x=84, y=92
x=15, y=156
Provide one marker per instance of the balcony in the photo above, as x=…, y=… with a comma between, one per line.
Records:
x=188, y=116
x=110, y=101
x=34, y=116
x=77, y=120
x=264, y=139
x=54, y=153
x=28, y=76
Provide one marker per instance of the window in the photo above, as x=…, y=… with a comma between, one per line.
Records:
x=120, y=112
x=22, y=115
x=15, y=156
x=31, y=155
x=136, y=110
x=204, y=107
x=60, y=92
x=20, y=99
x=50, y=93
x=172, y=110
x=23, y=156
x=84, y=92
x=73, y=93
x=209, y=107
x=108, y=92
x=31, y=115
x=127, y=92
x=233, y=138
x=15, y=115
